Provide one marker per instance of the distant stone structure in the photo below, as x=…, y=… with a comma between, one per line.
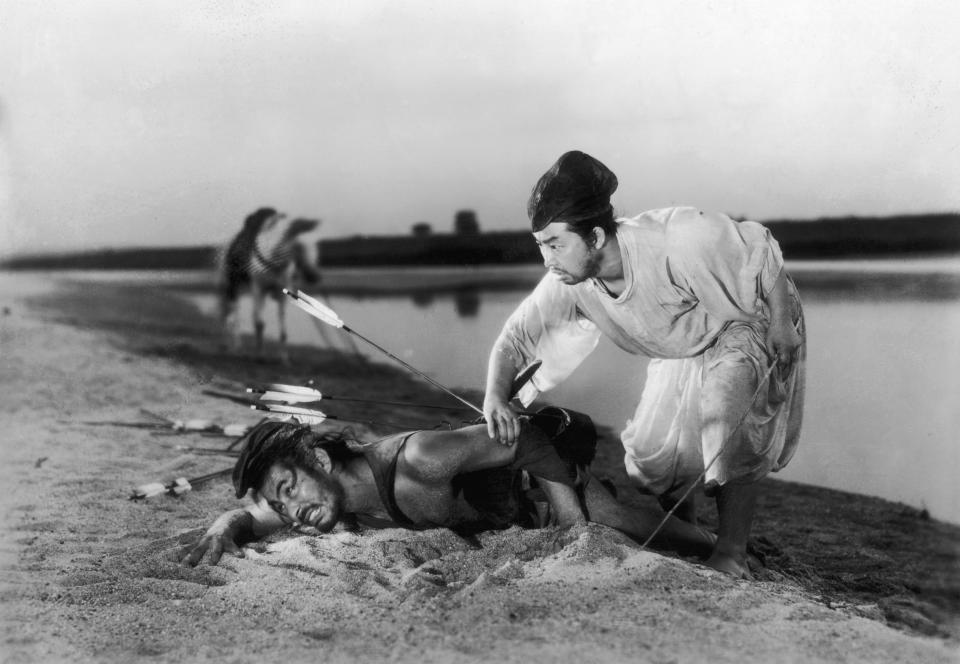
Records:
x=465, y=223
x=421, y=229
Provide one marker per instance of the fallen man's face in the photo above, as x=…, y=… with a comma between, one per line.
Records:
x=303, y=496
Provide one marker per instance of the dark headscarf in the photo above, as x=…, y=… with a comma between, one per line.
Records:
x=576, y=188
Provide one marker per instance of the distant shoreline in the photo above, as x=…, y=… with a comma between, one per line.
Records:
x=833, y=238
x=918, y=277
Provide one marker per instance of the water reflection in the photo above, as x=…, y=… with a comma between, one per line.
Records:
x=887, y=286
x=422, y=299
x=467, y=301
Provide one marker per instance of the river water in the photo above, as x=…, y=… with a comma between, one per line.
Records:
x=883, y=401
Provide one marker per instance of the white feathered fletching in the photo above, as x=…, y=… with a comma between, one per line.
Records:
x=179, y=486
x=288, y=397
x=302, y=415
x=293, y=389
x=298, y=419
x=235, y=429
x=325, y=314
x=149, y=490
x=320, y=306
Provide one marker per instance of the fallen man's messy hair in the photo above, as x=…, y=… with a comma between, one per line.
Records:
x=270, y=442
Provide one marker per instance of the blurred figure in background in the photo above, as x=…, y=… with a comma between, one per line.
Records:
x=266, y=256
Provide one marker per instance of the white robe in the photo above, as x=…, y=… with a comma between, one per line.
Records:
x=694, y=301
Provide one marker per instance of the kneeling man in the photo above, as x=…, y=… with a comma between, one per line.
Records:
x=457, y=479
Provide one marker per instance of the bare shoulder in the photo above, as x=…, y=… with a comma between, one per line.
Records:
x=440, y=455
x=424, y=447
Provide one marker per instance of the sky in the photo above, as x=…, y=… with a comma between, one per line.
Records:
x=166, y=122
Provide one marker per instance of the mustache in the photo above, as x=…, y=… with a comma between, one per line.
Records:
x=306, y=511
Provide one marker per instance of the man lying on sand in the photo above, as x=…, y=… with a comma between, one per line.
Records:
x=457, y=479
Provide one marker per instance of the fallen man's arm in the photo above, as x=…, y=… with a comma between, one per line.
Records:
x=229, y=531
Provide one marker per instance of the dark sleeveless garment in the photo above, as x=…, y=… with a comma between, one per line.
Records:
x=382, y=457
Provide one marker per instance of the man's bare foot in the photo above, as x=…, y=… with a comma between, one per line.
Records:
x=735, y=566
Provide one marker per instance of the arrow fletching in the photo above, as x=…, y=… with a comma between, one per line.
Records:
x=313, y=312
x=235, y=429
x=148, y=490
x=194, y=425
x=179, y=486
x=302, y=415
x=288, y=389
x=320, y=306
x=314, y=308
x=286, y=397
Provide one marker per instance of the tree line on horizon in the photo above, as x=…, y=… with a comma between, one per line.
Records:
x=826, y=237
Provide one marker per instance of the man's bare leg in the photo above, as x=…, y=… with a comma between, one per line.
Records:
x=735, y=508
x=730, y=382
x=685, y=511
x=564, y=503
x=676, y=535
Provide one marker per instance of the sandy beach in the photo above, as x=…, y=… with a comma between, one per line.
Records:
x=91, y=576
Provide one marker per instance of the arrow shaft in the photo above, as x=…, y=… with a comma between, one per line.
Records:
x=415, y=370
x=393, y=403
x=134, y=425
